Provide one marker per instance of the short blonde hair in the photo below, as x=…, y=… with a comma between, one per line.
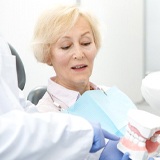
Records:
x=53, y=24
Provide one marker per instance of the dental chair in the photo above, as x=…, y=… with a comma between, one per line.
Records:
x=21, y=75
x=36, y=94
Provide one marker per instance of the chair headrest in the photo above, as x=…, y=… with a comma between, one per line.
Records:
x=21, y=75
x=36, y=94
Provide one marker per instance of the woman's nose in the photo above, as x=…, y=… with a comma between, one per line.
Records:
x=78, y=53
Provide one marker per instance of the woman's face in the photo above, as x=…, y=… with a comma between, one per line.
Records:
x=73, y=55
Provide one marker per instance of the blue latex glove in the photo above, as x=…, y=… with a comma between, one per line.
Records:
x=125, y=156
x=99, y=137
x=111, y=152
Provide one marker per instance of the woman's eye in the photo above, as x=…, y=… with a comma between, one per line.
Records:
x=86, y=44
x=65, y=47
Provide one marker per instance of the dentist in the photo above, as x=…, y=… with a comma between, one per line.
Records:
x=39, y=136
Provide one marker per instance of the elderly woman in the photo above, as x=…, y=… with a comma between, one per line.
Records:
x=68, y=39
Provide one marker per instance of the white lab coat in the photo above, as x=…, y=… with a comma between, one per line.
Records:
x=36, y=136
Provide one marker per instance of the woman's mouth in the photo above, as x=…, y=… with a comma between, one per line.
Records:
x=79, y=67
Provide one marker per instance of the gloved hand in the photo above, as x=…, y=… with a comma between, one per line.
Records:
x=111, y=152
x=99, y=137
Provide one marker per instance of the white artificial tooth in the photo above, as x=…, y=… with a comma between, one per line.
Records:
x=141, y=144
x=135, y=140
x=131, y=138
x=154, y=139
x=127, y=135
x=142, y=139
x=135, y=135
x=129, y=130
x=132, y=133
x=158, y=139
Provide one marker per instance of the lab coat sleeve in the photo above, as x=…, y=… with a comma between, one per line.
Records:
x=36, y=136
x=26, y=104
x=48, y=136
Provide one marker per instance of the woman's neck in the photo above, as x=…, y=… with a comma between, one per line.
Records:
x=80, y=87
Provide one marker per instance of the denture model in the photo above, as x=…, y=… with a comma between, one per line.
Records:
x=142, y=136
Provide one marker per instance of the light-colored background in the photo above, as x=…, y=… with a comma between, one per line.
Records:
x=130, y=33
x=152, y=27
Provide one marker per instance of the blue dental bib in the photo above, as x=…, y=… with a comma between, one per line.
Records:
x=109, y=108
